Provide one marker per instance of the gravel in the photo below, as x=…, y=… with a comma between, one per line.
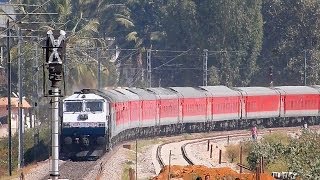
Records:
x=113, y=165
x=38, y=170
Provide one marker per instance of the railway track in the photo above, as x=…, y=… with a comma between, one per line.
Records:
x=93, y=169
x=74, y=170
x=82, y=170
x=187, y=158
x=183, y=150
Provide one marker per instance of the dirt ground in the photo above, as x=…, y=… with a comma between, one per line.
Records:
x=196, y=171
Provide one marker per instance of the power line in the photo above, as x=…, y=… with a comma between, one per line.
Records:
x=183, y=53
x=31, y=13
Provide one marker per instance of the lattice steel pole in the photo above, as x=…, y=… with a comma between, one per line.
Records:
x=149, y=70
x=205, y=67
x=305, y=67
x=99, y=69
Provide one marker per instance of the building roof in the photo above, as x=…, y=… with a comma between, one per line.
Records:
x=14, y=102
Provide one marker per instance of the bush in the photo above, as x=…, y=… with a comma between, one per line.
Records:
x=232, y=152
x=276, y=137
x=278, y=165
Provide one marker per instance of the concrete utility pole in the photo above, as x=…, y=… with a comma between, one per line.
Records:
x=35, y=80
x=205, y=67
x=21, y=124
x=54, y=56
x=9, y=100
x=149, y=70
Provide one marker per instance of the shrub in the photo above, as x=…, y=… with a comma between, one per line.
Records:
x=232, y=152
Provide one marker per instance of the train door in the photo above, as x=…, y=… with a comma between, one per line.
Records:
x=244, y=103
x=158, y=112
x=180, y=109
x=158, y=104
x=109, y=119
x=282, y=104
x=141, y=113
x=208, y=107
x=282, y=109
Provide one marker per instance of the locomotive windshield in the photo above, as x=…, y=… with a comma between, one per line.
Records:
x=73, y=106
x=93, y=106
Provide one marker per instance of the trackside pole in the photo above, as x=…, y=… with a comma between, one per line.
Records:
x=55, y=131
x=54, y=56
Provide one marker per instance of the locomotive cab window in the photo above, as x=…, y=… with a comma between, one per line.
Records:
x=73, y=106
x=94, y=106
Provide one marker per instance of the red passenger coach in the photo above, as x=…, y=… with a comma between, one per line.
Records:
x=134, y=107
x=117, y=102
x=259, y=102
x=224, y=103
x=299, y=101
x=121, y=110
x=168, y=106
x=193, y=104
x=148, y=102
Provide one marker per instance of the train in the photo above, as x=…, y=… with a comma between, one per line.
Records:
x=94, y=121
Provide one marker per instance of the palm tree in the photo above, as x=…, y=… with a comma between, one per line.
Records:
x=82, y=29
x=134, y=26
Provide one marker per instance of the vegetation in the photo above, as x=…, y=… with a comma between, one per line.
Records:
x=36, y=149
x=243, y=37
x=232, y=153
x=282, y=153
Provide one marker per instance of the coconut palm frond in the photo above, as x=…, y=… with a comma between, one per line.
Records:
x=132, y=36
x=46, y=28
x=126, y=22
x=116, y=15
x=91, y=72
x=64, y=9
x=139, y=43
x=92, y=26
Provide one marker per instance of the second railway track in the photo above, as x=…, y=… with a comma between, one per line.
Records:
x=186, y=156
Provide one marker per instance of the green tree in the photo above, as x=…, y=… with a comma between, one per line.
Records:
x=282, y=153
x=290, y=28
x=235, y=29
x=304, y=157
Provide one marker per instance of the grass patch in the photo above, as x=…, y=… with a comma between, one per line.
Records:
x=142, y=144
x=276, y=137
x=126, y=170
